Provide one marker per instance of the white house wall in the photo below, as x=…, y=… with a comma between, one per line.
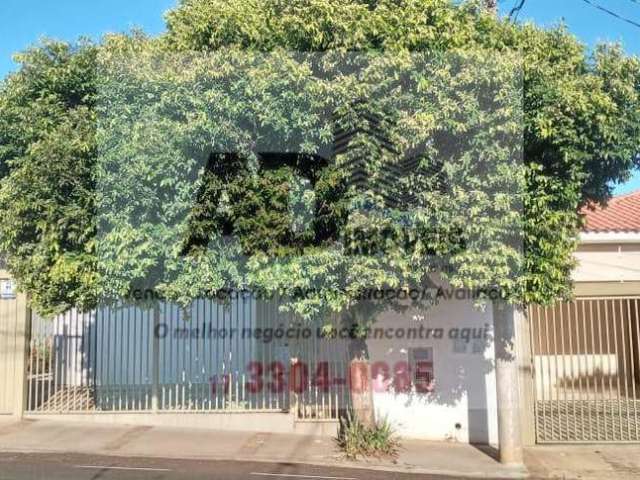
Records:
x=617, y=262
x=463, y=405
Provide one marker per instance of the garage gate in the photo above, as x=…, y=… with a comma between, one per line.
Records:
x=586, y=363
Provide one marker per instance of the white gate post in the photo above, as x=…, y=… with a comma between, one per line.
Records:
x=507, y=384
x=23, y=334
x=15, y=332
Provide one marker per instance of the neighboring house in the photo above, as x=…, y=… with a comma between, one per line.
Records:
x=609, y=253
x=587, y=352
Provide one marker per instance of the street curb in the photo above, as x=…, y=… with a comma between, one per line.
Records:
x=514, y=473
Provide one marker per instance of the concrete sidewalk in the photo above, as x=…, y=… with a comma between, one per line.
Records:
x=456, y=460
x=584, y=462
x=566, y=462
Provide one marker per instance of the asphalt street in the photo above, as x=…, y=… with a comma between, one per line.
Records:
x=14, y=466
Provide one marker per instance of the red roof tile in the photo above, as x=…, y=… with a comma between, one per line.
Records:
x=622, y=214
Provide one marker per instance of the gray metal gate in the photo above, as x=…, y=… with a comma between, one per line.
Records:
x=241, y=355
x=586, y=363
x=131, y=358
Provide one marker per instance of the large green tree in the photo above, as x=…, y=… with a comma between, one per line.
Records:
x=580, y=124
x=47, y=159
x=234, y=223
x=581, y=121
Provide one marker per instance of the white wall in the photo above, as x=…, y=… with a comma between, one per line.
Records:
x=72, y=364
x=607, y=263
x=463, y=405
x=558, y=374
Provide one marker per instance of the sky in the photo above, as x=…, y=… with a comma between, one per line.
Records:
x=23, y=22
x=591, y=26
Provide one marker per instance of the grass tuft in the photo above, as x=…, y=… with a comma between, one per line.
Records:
x=357, y=440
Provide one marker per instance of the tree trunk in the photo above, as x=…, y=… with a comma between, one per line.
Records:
x=360, y=380
x=361, y=393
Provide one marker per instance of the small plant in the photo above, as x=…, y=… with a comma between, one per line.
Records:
x=356, y=439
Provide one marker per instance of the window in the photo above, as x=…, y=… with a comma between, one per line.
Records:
x=421, y=367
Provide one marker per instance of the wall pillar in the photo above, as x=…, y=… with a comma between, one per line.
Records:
x=15, y=331
x=508, y=384
x=527, y=377
x=23, y=338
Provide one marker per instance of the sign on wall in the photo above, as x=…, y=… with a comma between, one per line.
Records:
x=7, y=289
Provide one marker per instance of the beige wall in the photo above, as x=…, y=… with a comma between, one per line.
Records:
x=13, y=338
x=607, y=263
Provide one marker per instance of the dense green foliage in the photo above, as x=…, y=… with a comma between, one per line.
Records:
x=47, y=142
x=241, y=222
x=71, y=149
